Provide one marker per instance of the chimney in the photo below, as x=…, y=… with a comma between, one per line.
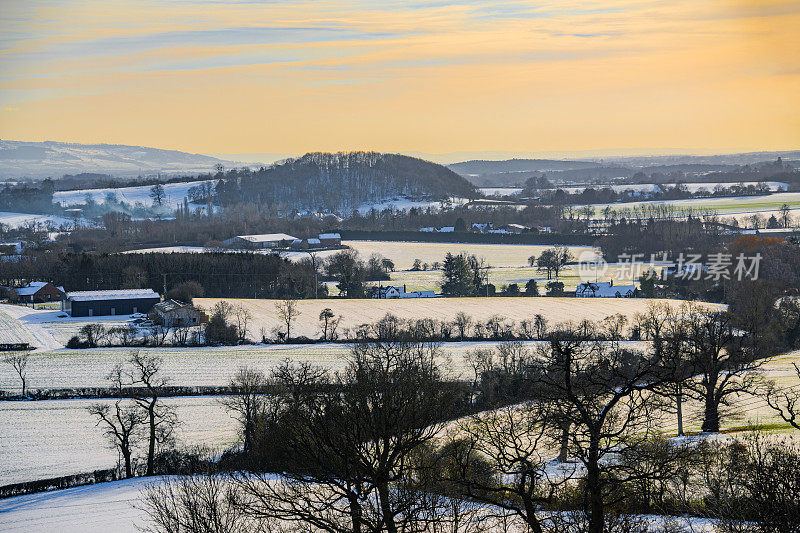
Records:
x=612, y=282
x=404, y=288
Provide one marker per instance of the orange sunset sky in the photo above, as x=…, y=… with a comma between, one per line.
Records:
x=625, y=76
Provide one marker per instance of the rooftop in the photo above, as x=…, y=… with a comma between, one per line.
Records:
x=121, y=294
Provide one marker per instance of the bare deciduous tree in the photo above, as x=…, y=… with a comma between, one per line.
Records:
x=19, y=362
x=161, y=419
x=246, y=401
x=287, y=312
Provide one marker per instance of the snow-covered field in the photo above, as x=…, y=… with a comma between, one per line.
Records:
x=47, y=329
x=500, y=191
x=102, y=508
x=404, y=204
x=17, y=220
x=496, y=255
x=112, y=507
x=691, y=187
x=293, y=256
x=740, y=207
x=50, y=438
x=175, y=193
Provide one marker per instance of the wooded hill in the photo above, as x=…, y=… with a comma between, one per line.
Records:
x=341, y=181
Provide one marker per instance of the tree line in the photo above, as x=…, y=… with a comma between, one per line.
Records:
x=567, y=435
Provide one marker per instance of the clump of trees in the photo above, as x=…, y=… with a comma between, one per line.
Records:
x=564, y=435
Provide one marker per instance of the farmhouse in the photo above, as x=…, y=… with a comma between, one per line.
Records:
x=172, y=313
x=114, y=302
x=604, y=289
x=391, y=292
x=306, y=244
x=329, y=240
x=266, y=240
x=36, y=292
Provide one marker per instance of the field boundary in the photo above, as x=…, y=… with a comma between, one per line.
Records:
x=541, y=239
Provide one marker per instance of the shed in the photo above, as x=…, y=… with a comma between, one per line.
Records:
x=111, y=302
x=36, y=292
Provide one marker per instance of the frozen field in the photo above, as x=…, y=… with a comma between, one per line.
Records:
x=50, y=438
x=497, y=255
x=106, y=507
x=45, y=328
x=16, y=220
x=739, y=207
x=175, y=193
x=197, y=366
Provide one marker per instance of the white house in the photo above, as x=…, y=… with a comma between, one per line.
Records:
x=604, y=289
x=390, y=292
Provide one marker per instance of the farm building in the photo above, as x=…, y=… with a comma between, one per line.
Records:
x=114, y=302
x=306, y=244
x=330, y=239
x=266, y=240
x=36, y=292
x=391, y=292
x=604, y=289
x=173, y=313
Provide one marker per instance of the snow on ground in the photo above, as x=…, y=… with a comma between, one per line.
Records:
x=404, y=204
x=50, y=438
x=500, y=191
x=113, y=507
x=93, y=508
x=48, y=330
x=497, y=255
x=175, y=193
x=16, y=220
x=691, y=187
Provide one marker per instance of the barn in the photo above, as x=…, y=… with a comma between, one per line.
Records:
x=113, y=302
x=36, y=292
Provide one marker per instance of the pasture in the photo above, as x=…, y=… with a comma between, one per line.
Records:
x=496, y=255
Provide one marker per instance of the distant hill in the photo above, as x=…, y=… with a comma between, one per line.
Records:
x=342, y=181
x=20, y=159
x=516, y=171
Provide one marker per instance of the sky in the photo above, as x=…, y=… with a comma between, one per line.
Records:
x=416, y=76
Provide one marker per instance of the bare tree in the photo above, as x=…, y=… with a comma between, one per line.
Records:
x=463, y=322
x=287, y=312
x=19, y=362
x=161, y=419
x=120, y=421
x=515, y=478
x=602, y=392
x=722, y=364
x=208, y=503
x=243, y=317
x=785, y=401
x=246, y=401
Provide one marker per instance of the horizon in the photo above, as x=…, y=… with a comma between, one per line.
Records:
x=409, y=76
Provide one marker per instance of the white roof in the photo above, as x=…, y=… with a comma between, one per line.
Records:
x=329, y=236
x=447, y=229
x=32, y=287
x=122, y=294
x=267, y=237
x=313, y=241
x=604, y=289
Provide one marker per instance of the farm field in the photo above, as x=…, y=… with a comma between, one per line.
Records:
x=739, y=207
x=12, y=331
x=17, y=220
x=497, y=255
x=211, y=366
x=362, y=311
x=46, y=329
x=571, y=276
x=175, y=193
x=52, y=438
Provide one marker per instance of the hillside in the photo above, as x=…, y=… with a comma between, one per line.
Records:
x=342, y=181
x=54, y=159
